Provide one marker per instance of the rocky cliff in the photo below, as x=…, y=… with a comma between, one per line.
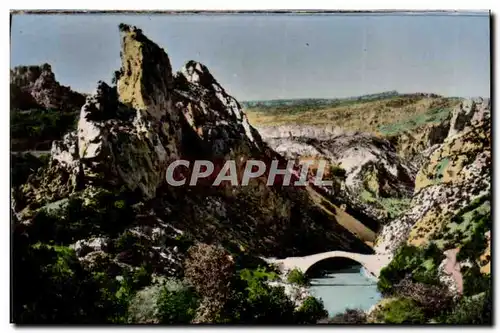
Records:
x=126, y=137
x=374, y=173
x=454, y=174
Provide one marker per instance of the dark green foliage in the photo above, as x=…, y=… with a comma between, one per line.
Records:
x=23, y=165
x=29, y=129
x=477, y=243
x=76, y=219
x=474, y=310
x=254, y=301
x=401, y=311
x=338, y=171
x=297, y=277
x=474, y=281
x=409, y=260
x=259, y=303
x=51, y=287
x=311, y=311
x=177, y=306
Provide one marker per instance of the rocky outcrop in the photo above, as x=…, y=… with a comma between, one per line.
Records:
x=36, y=86
x=373, y=170
x=457, y=172
x=216, y=117
x=126, y=137
x=415, y=146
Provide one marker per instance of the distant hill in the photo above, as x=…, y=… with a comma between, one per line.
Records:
x=316, y=101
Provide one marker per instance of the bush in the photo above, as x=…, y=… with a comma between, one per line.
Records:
x=40, y=125
x=311, y=311
x=254, y=301
x=401, y=311
x=143, y=307
x=52, y=288
x=471, y=310
x=263, y=304
x=474, y=281
x=79, y=218
x=349, y=316
x=409, y=260
x=296, y=276
x=433, y=299
x=177, y=306
x=338, y=172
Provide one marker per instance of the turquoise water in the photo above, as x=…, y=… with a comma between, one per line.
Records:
x=349, y=288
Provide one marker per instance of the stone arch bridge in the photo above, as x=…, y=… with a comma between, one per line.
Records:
x=373, y=263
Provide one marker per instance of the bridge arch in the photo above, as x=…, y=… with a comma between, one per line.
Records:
x=335, y=263
x=373, y=263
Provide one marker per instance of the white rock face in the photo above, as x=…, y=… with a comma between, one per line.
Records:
x=471, y=181
x=352, y=151
x=216, y=117
x=468, y=113
x=65, y=152
x=363, y=156
x=305, y=131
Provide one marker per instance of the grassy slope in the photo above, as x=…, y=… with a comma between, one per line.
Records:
x=347, y=221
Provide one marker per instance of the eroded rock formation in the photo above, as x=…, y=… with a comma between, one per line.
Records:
x=36, y=86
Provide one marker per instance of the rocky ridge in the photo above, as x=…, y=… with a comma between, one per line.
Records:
x=373, y=168
x=36, y=86
x=126, y=137
x=455, y=173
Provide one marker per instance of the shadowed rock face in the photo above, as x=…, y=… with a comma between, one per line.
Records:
x=36, y=86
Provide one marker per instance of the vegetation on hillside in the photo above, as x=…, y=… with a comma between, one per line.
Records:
x=381, y=115
x=35, y=129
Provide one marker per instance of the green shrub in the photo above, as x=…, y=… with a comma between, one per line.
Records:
x=401, y=311
x=143, y=307
x=420, y=263
x=126, y=241
x=471, y=310
x=296, y=276
x=40, y=125
x=52, y=288
x=474, y=281
x=311, y=311
x=264, y=304
x=80, y=218
x=254, y=301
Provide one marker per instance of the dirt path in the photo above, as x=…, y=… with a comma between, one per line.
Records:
x=452, y=267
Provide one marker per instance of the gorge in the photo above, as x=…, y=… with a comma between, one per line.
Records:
x=100, y=236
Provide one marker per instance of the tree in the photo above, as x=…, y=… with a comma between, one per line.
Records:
x=209, y=269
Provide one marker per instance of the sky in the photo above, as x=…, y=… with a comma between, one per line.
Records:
x=275, y=56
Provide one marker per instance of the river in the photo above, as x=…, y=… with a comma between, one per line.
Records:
x=350, y=287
